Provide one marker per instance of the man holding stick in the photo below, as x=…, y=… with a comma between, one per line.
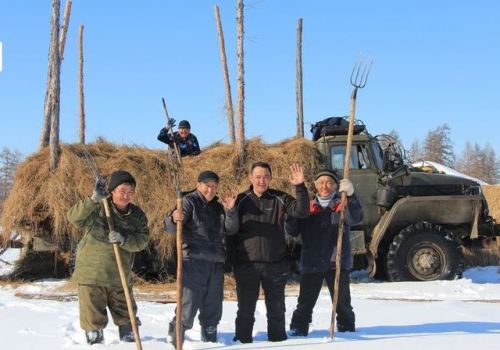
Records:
x=96, y=270
x=319, y=239
x=205, y=223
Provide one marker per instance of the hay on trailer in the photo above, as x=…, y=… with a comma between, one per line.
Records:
x=492, y=194
x=39, y=200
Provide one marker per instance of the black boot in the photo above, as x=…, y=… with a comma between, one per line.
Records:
x=209, y=334
x=126, y=333
x=346, y=327
x=94, y=337
x=297, y=330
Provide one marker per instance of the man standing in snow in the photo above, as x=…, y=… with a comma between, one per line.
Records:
x=96, y=271
x=204, y=227
x=319, y=232
x=187, y=142
x=259, y=249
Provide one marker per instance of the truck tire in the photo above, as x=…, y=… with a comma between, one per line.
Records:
x=424, y=252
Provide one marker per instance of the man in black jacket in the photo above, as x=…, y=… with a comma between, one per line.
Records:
x=260, y=246
x=204, y=228
x=319, y=232
x=185, y=139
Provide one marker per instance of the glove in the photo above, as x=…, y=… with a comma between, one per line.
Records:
x=170, y=123
x=116, y=237
x=99, y=192
x=346, y=186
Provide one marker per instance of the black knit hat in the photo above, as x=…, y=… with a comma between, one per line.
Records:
x=208, y=175
x=119, y=177
x=184, y=124
x=327, y=172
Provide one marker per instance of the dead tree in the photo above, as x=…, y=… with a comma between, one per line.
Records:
x=80, y=85
x=298, y=82
x=45, y=135
x=229, y=99
x=241, y=85
x=54, y=86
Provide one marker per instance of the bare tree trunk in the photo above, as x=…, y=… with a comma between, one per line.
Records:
x=229, y=99
x=298, y=82
x=54, y=87
x=45, y=135
x=241, y=85
x=64, y=29
x=80, y=85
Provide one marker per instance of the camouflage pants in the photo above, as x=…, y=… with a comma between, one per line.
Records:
x=93, y=301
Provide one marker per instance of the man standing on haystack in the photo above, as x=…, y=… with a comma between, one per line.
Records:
x=183, y=137
x=205, y=224
x=96, y=270
x=319, y=232
x=260, y=246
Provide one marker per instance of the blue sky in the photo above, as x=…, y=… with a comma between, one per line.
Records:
x=434, y=62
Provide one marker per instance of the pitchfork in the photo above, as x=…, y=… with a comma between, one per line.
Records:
x=359, y=76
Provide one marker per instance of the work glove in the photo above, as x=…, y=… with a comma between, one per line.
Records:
x=99, y=192
x=346, y=186
x=116, y=237
x=170, y=123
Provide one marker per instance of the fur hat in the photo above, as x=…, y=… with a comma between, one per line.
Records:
x=327, y=172
x=119, y=177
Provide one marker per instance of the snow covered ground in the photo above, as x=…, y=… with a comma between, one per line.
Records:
x=462, y=314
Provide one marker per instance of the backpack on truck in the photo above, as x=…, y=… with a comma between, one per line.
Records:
x=334, y=126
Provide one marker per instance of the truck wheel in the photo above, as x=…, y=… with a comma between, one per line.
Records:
x=424, y=252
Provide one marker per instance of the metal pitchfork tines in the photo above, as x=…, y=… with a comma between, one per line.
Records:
x=360, y=73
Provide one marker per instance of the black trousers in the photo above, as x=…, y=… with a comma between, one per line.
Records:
x=310, y=287
x=249, y=278
x=202, y=290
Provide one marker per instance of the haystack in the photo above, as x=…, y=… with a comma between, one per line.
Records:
x=39, y=200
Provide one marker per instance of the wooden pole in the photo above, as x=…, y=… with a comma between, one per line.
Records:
x=227, y=85
x=123, y=278
x=338, y=256
x=241, y=85
x=54, y=87
x=298, y=82
x=47, y=109
x=80, y=85
x=178, y=310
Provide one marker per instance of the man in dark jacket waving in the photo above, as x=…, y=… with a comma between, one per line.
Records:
x=319, y=232
x=260, y=249
x=203, y=250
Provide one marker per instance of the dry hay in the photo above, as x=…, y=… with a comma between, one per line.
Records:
x=492, y=194
x=38, y=202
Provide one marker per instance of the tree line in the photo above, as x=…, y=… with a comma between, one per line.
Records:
x=475, y=160
x=9, y=160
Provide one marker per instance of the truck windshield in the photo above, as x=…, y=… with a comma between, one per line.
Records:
x=359, y=157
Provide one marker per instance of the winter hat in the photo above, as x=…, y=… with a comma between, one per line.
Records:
x=119, y=177
x=208, y=175
x=184, y=124
x=327, y=172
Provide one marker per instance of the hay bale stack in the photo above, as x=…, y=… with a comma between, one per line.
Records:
x=492, y=194
x=38, y=202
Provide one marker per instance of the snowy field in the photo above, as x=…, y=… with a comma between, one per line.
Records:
x=462, y=314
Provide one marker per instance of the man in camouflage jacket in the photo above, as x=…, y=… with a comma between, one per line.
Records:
x=96, y=270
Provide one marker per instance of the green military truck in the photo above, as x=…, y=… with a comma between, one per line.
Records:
x=415, y=222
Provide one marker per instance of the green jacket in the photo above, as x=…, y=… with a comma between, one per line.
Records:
x=95, y=259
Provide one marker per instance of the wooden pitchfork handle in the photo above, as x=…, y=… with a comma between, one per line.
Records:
x=178, y=312
x=123, y=279
x=338, y=256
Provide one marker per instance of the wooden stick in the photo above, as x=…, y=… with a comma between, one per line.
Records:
x=227, y=84
x=298, y=82
x=80, y=85
x=178, y=313
x=240, y=145
x=123, y=279
x=338, y=256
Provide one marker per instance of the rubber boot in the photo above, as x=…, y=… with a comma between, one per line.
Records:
x=209, y=334
x=94, y=337
x=126, y=333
